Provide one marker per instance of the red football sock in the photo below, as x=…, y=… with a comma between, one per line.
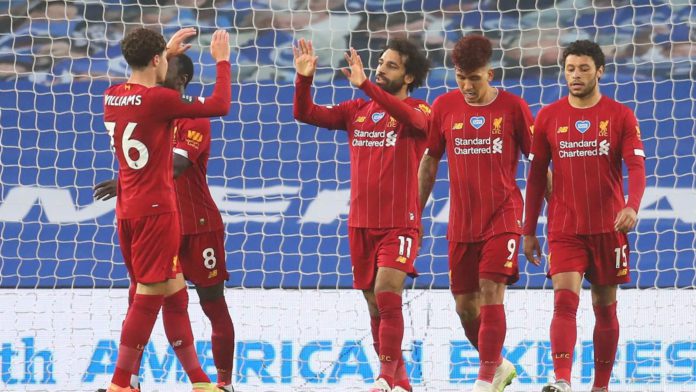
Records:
x=137, y=328
x=374, y=327
x=471, y=330
x=222, y=337
x=177, y=327
x=401, y=378
x=391, y=332
x=564, y=332
x=606, y=340
x=491, y=339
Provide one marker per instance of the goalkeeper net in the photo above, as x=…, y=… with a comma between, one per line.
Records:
x=283, y=190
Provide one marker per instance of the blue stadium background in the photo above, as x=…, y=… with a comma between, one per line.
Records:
x=52, y=133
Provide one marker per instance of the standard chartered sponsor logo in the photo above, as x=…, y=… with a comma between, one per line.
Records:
x=498, y=146
x=466, y=146
x=583, y=148
x=391, y=139
x=374, y=138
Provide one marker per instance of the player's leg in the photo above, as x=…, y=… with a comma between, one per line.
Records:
x=363, y=258
x=222, y=339
x=388, y=288
x=401, y=374
x=568, y=260
x=609, y=267
x=146, y=300
x=396, y=253
x=464, y=285
x=202, y=259
x=497, y=268
x=606, y=333
x=373, y=309
x=135, y=378
x=468, y=307
x=177, y=327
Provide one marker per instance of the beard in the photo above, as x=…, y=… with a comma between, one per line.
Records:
x=391, y=86
x=587, y=91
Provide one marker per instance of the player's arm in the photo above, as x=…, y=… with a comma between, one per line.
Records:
x=192, y=140
x=427, y=171
x=524, y=133
x=634, y=157
x=218, y=104
x=536, y=187
x=304, y=108
x=401, y=111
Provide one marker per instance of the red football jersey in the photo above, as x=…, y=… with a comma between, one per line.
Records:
x=138, y=120
x=387, y=139
x=483, y=144
x=197, y=210
x=586, y=146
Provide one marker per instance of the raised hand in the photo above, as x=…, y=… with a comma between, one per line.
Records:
x=532, y=249
x=220, y=45
x=305, y=60
x=176, y=45
x=356, y=72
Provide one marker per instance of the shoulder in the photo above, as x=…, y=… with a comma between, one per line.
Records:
x=445, y=100
x=508, y=98
x=201, y=123
x=420, y=105
x=616, y=106
x=111, y=89
x=159, y=91
x=351, y=104
x=553, y=108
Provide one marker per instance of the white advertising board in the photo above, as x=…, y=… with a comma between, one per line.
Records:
x=288, y=340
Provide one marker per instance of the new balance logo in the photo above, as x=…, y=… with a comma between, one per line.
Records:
x=391, y=139
x=457, y=126
x=562, y=130
x=497, y=146
x=604, y=147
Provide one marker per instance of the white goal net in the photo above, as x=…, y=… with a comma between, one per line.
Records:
x=283, y=190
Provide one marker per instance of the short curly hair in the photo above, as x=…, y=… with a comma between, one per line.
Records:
x=472, y=52
x=415, y=62
x=141, y=45
x=585, y=47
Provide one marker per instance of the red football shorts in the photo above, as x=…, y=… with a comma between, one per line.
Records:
x=202, y=258
x=493, y=259
x=603, y=258
x=150, y=247
x=373, y=248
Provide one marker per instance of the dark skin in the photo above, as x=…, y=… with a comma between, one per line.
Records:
x=175, y=79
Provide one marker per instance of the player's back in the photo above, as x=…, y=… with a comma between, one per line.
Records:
x=198, y=211
x=142, y=141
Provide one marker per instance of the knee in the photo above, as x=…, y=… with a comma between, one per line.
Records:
x=176, y=302
x=491, y=292
x=467, y=310
x=372, y=307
